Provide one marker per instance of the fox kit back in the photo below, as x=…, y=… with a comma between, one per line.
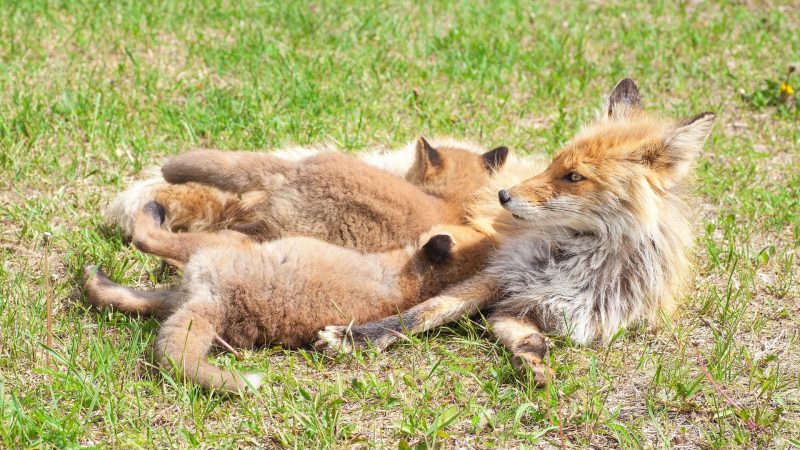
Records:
x=260, y=194
x=339, y=199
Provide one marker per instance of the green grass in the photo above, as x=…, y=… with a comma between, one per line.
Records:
x=92, y=93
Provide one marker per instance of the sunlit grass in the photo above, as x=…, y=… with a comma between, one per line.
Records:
x=93, y=93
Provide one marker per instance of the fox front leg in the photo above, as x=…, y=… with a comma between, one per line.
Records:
x=378, y=335
x=527, y=344
x=456, y=302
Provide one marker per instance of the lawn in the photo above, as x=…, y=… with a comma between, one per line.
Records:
x=94, y=93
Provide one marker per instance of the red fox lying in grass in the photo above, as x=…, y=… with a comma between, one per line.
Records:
x=600, y=241
x=250, y=293
x=329, y=195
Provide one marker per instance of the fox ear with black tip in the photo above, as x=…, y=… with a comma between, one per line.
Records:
x=681, y=144
x=624, y=99
x=495, y=158
x=438, y=248
x=428, y=158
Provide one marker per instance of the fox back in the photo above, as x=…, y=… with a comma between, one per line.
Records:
x=328, y=195
x=285, y=291
x=344, y=201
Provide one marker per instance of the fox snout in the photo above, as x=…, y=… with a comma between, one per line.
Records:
x=520, y=201
x=504, y=196
x=533, y=191
x=510, y=199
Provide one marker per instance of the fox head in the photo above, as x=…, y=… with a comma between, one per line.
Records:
x=447, y=254
x=624, y=166
x=453, y=173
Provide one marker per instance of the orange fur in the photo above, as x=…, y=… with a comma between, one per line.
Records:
x=327, y=195
x=332, y=196
x=599, y=240
x=252, y=294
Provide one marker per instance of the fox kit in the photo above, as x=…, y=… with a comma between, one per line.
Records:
x=250, y=293
x=602, y=241
x=328, y=195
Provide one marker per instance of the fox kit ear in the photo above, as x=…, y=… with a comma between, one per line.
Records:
x=682, y=143
x=427, y=157
x=624, y=99
x=438, y=248
x=494, y=159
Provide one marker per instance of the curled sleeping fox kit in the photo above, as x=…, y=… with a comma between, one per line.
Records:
x=330, y=196
x=251, y=293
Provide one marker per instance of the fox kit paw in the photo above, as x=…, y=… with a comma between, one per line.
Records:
x=527, y=363
x=253, y=381
x=342, y=339
x=334, y=339
x=90, y=273
x=156, y=212
x=93, y=281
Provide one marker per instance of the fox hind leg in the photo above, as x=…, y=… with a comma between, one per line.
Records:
x=102, y=292
x=184, y=342
x=527, y=344
x=229, y=171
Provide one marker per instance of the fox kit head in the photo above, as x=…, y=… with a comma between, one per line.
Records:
x=624, y=166
x=449, y=253
x=453, y=173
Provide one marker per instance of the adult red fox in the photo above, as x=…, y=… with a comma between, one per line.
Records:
x=327, y=195
x=599, y=241
x=284, y=291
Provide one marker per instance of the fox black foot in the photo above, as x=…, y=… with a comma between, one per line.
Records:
x=344, y=339
x=156, y=211
x=529, y=357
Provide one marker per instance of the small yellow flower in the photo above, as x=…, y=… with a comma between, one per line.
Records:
x=787, y=89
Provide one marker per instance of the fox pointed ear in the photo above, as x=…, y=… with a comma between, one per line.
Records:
x=682, y=143
x=624, y=99
x=427, y=156
x=688, y=136
x=438, y=248
x=495, y=158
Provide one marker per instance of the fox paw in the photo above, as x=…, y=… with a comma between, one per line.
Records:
x=94, y=280
x=336, y=339
x=526, y=363
x=253, y=381
x=156, y=212
x=90, y=273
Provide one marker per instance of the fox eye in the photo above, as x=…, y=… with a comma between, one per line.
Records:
x=574, y=177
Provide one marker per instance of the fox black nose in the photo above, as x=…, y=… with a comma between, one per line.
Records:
x=503, y=196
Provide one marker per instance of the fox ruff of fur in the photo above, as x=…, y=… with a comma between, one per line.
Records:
x=599, y=241
x=284, y=291
x=317, y=192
